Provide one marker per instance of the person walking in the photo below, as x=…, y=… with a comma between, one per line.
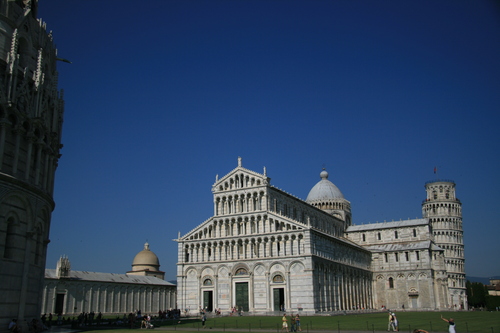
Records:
x=284, y=326
x=390, y=325
x=203, y=319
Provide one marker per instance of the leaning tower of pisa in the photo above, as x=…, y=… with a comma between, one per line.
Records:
x=31, y=116
x=444, y=212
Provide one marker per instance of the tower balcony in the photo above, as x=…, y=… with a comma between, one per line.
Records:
x=456, y=200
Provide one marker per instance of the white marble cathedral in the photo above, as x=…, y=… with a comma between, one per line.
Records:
x=266, y=250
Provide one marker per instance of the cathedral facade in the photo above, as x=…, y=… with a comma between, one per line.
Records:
x=31, y=116
x=265, y=250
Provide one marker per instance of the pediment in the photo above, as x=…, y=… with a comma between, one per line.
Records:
x=240, y=178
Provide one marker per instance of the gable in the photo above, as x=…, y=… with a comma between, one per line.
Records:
x=240, y=178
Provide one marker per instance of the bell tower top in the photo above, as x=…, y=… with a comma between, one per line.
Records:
x=439, y=190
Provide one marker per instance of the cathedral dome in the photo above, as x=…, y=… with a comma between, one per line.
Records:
x=146, y=258
x=324, y=190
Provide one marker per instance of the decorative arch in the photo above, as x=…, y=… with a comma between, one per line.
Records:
x=278, y=278
x=241, y=270
x=207, y=281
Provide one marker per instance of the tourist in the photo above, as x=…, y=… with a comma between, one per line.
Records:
x=390, y=325
x=292, y=323
x=13, y=327
x=451, y=322
x=297, y=323
x=203, y=319
x=396, y=323
x=284, y=327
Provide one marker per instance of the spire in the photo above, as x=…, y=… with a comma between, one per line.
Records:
x=63, y=267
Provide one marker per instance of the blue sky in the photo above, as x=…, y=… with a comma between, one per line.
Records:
x=162, y=96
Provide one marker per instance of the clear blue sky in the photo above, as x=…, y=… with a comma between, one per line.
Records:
x=163, y=95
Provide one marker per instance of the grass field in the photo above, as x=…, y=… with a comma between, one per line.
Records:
x=473, y=322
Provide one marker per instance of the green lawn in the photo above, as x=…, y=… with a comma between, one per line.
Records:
x=473, y=322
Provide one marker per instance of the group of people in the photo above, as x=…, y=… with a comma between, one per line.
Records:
x=169, y=314
x=294, y=323
x=393, y=322
x=236, y=310
x=146, y=321
x=34, y=326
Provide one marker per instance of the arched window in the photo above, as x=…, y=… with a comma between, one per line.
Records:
x=391, y=283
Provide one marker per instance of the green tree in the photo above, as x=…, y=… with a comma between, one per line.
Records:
x=476, y=294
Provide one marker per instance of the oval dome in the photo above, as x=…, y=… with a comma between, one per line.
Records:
x=324, y=190
x=146, y=258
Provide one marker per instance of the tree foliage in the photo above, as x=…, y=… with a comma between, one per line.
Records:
x=477, y=294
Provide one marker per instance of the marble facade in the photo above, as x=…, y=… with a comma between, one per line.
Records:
x=266, y=250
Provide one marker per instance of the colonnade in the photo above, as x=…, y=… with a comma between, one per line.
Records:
x=448, y=209
x=107, y=298
x=453, y=251
x=239, y=203
x=451, y=237
x=244, y=248
x=343, y=288
x=448, y=223
x=240, y=226
x=455, y=265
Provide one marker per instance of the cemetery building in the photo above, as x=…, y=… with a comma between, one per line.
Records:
x=266, y=250
x=31, y=117
x=143, y=288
